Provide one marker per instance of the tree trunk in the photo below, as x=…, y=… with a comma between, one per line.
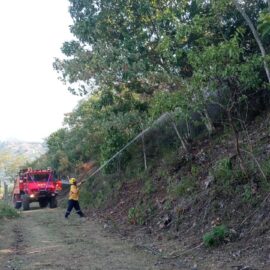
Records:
x=237, y=145
x=5, y=192
x=182, y=140
x=144, y=153
x=208, y=122
x=255, y=34
x=188, y=129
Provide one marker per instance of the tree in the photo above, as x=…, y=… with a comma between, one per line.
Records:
x=141, y=59
x=225, y=79
x=135, y=44
x=256, y=36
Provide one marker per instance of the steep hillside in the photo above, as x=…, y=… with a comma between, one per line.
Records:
x=201, y=206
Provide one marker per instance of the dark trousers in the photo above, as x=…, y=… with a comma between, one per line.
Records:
x=75, y=204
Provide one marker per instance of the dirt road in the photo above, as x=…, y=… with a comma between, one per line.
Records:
x=43, y=240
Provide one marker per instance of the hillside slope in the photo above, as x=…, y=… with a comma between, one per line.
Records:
x=31, y=150
x=175, y=206
x=15, y=154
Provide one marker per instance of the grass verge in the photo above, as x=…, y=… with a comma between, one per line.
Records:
x=6, y=211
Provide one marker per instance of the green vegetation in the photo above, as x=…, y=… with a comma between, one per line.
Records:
x=247, y=194
x=137, y=215
x=6, y=211
x=100, y=190
x=228, y=178
x=173, y=115
x=179, y=68
x=195, y=170
x=216, y=236
x=223, y=172
x=266, y=168
x=186, y=185
x=141, y=213
x=149, y=187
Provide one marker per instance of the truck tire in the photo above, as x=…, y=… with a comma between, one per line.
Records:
x=18, y=205
x=26, y=203
x=43, y=203
x=53, y=202
x=17, y=202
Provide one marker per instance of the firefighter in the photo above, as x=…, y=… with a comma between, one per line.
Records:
x=73, y=200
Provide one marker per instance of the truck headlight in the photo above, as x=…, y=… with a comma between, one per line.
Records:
x=32, y=195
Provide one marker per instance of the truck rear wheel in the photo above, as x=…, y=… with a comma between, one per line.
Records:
x=26, y=203
x=53, y=202
x=43, y=203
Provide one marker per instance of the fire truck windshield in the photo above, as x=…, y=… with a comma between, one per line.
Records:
x=39, y=177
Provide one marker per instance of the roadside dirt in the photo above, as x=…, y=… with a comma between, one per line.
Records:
x=41, y=239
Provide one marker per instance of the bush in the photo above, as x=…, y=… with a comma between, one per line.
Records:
x=216, y=236
x=195, y=170
x=223, y=172
x=7, y=211
x=136, y=215
x=266, y=168
x=247, y=194
x=227, y=177
x=187, y=185
x=149, y=187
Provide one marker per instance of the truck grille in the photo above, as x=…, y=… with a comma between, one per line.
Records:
x=43, y=192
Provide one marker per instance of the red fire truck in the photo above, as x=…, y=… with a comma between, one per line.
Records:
x=35, y=186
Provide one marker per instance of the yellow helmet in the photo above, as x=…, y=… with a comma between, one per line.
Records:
x=72, y=181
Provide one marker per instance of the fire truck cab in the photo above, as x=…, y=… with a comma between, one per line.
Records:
x=35, y=186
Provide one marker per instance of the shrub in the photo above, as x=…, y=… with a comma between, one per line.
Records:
x=247, y=194
x=223, y=171
x=86, y=198
x=149, y=187
x=168, y=204
x=227, y=177
x=136, y=215
x=195, y=170
x=216, y=236
x=7, y=211
x=187, y=185
x=266, y=168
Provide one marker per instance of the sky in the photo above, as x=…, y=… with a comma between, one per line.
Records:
x=32, y=99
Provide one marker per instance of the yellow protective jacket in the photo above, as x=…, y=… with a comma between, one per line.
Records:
x=74, y=193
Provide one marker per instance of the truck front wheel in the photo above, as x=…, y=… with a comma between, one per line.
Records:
x=43, y=203
x=53, y=202
x=26, y=203
x=18, y=205
x=17, y=201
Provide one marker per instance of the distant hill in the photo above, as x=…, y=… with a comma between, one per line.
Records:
x=14, y=154
x=31, y=150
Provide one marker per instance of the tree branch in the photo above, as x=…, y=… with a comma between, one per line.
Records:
x=255, y=34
